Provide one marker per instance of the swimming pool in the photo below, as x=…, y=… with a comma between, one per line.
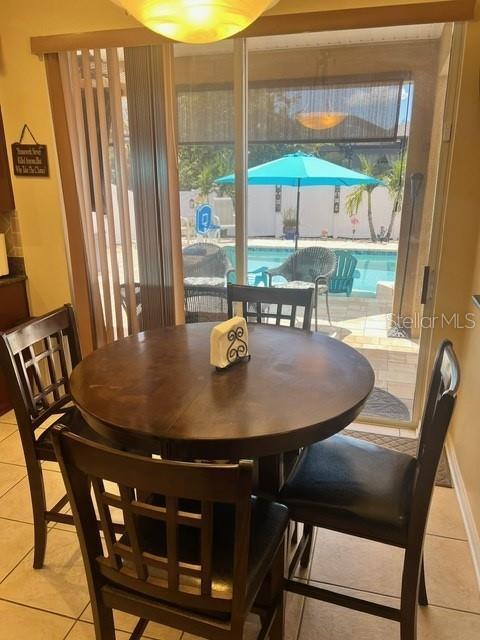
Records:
x=373, y=265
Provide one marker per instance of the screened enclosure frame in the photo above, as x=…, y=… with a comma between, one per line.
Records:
x=307, y=84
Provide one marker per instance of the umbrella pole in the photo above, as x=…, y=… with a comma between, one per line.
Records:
x=298, y=214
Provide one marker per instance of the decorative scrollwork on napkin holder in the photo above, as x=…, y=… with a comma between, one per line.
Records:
x=229, y=343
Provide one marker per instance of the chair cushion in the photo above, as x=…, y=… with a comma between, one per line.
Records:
x=71, y=418
x=204, y=281
x=352, y=486
x=267, y=526
x=301, y=284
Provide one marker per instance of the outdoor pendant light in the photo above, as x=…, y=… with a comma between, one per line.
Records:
x=196, y=21
x=321, y=119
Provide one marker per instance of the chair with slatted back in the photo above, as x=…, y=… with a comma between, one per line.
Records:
x=264, y=304
x=361, y=489
x=261, y=304
x=198, y=552
x=341, y=281
x=205, y=303
x=36, y=358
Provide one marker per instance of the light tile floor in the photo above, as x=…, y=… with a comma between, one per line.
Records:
x=53, y=603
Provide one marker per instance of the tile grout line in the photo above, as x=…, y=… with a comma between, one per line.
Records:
x=13, y=464
x=13, y=486
x=3, y=438
x=50, y=527
x=16, y=520
x=439, y=535
x=65, y=637
x=384, y=595
x=78, y=618
x=28, y=606
x=16, y=566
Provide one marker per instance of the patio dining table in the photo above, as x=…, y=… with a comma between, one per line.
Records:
x=156, y=392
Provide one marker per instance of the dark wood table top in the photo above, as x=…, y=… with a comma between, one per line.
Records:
x=158, y=388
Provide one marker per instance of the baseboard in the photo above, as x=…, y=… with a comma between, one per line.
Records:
x=473, y=534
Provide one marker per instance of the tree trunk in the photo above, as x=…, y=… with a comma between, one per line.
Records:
x=390, y=224
x=373, y=235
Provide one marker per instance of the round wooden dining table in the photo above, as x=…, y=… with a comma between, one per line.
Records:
x=156, y=392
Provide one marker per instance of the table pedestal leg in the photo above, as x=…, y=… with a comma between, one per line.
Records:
x=270, y=475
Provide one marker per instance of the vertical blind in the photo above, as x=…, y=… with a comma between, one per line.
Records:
x=125, y=178
x=148, y=115
x=95, y=107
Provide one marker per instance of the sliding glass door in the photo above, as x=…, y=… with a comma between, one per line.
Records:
x=368, y=106
x=355, y=121
x=205, y=135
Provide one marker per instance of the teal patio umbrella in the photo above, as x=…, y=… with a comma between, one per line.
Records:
x=302, y=170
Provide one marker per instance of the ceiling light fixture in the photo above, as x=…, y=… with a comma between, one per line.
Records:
x=196, y=21
x=321, y=119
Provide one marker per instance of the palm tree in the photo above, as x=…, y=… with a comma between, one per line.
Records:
x=355, y=198
x=394, y=181
x=213, y=167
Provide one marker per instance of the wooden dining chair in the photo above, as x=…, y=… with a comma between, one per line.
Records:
x=36, y=358
x=360, y=489
x=197, y=552
x=261, y=304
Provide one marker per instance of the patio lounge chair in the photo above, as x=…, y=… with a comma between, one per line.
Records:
x=205, y=264
x=206, y=268
x=224, y=216
x=205, y=303
x=185, y=228
x=342, y=280
x=311, y=267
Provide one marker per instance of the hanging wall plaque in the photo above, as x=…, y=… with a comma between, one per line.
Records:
x=29, y=159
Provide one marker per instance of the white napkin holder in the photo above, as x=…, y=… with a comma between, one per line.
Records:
x=229, y=343
x=3, y=256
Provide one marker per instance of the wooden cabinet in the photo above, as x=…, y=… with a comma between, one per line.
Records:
x=13, y=311
x=7, y=202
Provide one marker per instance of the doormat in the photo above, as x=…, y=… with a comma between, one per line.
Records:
x=405, y=445
x=384, y=404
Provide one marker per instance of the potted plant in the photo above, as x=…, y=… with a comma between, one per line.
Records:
x=289, y=220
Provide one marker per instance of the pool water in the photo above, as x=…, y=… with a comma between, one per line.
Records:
x=373, y=265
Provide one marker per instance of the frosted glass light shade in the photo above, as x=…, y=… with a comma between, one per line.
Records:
x=321, y=120
x=3, y=256
x=196, y=21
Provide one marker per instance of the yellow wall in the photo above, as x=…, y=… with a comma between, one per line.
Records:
x=24, y=98
x=459, y=274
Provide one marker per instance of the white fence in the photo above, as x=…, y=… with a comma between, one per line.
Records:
x=316, y=211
